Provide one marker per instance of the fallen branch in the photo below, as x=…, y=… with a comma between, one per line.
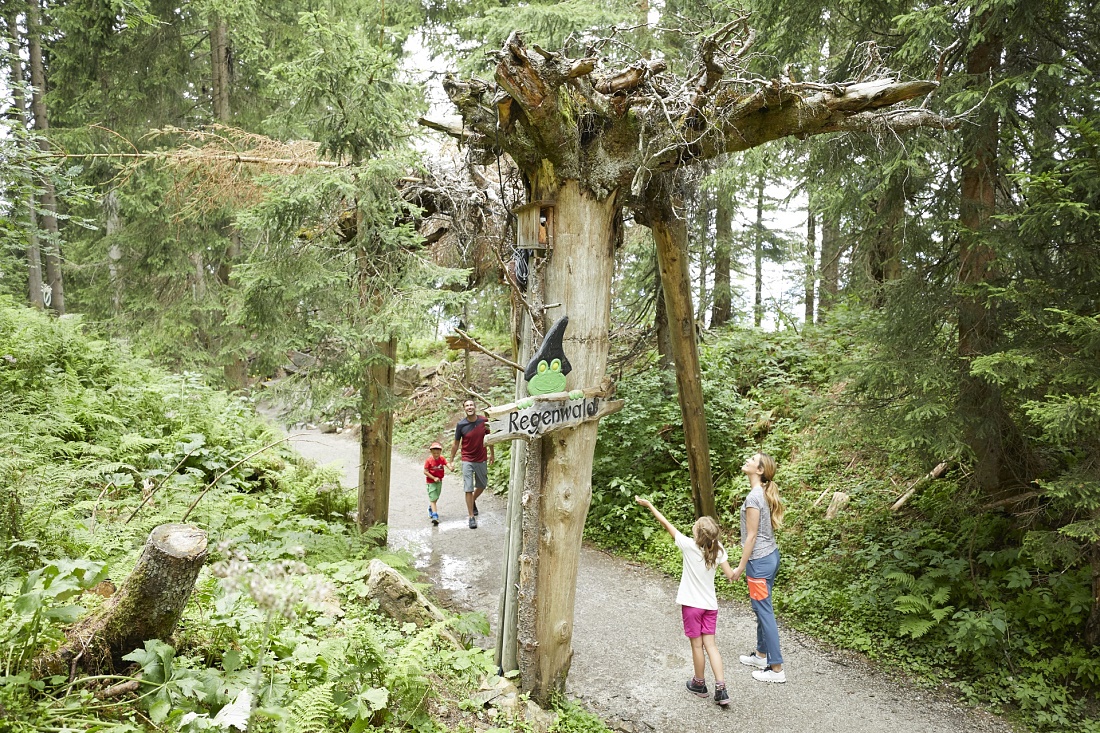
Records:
x=935, y=473
x=1010, y=500
x=121, y=688
x=223, y=473
x=149, y=496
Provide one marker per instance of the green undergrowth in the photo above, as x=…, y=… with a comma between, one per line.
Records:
x=278, y=634
x=991, y=606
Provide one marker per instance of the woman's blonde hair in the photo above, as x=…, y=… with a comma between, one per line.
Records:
x=771, y=491
x=705, y=534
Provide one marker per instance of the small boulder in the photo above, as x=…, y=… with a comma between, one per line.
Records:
x=398, y=598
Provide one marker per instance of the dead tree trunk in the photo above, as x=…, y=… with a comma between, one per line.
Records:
x=670, y=234
x=147, y=606
x=558, y=486
x=588, y=144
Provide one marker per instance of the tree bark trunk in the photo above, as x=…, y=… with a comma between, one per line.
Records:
x=670, y=233
x=18, y=112
x=219, y=67
x=114, y=250
x=979, y=401
x=811, y=270
x=559, y=472
x=723, y=296
x=660, y=322
x=758, y=250
x=830, y=265
x=1092, y=626
x=147, y=606
x=702, y=233
x=54, y=278
x=884, y=264
x=376, y=438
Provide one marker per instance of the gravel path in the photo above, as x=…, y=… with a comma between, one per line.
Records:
x=631, y=659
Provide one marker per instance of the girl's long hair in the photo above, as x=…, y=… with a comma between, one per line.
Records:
x=705, y=534
x=771, y=491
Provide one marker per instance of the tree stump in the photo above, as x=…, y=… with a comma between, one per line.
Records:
x=147, y=606
x=840, y=500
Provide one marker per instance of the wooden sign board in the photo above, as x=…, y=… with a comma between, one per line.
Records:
x=547, y=414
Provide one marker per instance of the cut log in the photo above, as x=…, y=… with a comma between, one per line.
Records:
x=148, y=606
x=840, y=500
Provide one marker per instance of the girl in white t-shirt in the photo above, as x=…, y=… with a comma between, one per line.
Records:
x=703, y=554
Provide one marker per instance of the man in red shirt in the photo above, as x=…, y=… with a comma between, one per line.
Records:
x=470, y=435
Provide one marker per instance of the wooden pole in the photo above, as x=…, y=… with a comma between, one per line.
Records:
x=507, y=653
x=670, y=234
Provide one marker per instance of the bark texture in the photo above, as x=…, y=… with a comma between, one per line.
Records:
x=811, y=271
x=147, y=606
x=376, y=438
x=558, y=488
x=670, y=234
x=722, y=310
x=980, y=402
x=830, y=265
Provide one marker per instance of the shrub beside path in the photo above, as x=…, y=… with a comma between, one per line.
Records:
x=631, y=659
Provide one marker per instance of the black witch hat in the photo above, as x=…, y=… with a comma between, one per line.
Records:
x=551, y=349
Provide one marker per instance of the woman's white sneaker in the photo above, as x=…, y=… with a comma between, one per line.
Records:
x=769, y=675
x=751, y=660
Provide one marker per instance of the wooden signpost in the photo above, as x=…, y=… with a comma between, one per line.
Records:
x=549, y=408
x=537, y=416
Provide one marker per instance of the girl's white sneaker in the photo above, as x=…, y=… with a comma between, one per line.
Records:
x=751, y=660
x=769, y=675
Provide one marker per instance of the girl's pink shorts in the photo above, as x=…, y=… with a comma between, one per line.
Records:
x=699, y=621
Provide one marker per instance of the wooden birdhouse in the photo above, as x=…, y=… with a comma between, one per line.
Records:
x=535, y=225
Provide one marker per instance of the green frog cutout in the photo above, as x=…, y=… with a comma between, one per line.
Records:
x=546, y=372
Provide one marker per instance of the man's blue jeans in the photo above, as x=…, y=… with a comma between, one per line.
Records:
x=760, y=574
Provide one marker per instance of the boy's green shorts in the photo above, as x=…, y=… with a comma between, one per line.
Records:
x=434, y=490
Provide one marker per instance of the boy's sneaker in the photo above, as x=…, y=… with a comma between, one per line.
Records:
x=720, y=695
x=476, y=512
x=698, y=687
x=473, y=523
x=751, y=660
x=435, y=517
x=769, y=675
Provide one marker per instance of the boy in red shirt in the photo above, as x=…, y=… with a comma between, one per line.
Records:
x=433, y=470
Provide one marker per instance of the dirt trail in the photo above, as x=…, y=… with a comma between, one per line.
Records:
x=631, y=659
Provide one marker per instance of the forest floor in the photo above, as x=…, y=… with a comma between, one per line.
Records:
x=631, y=659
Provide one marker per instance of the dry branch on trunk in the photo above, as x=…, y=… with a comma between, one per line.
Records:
x=604, y=131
